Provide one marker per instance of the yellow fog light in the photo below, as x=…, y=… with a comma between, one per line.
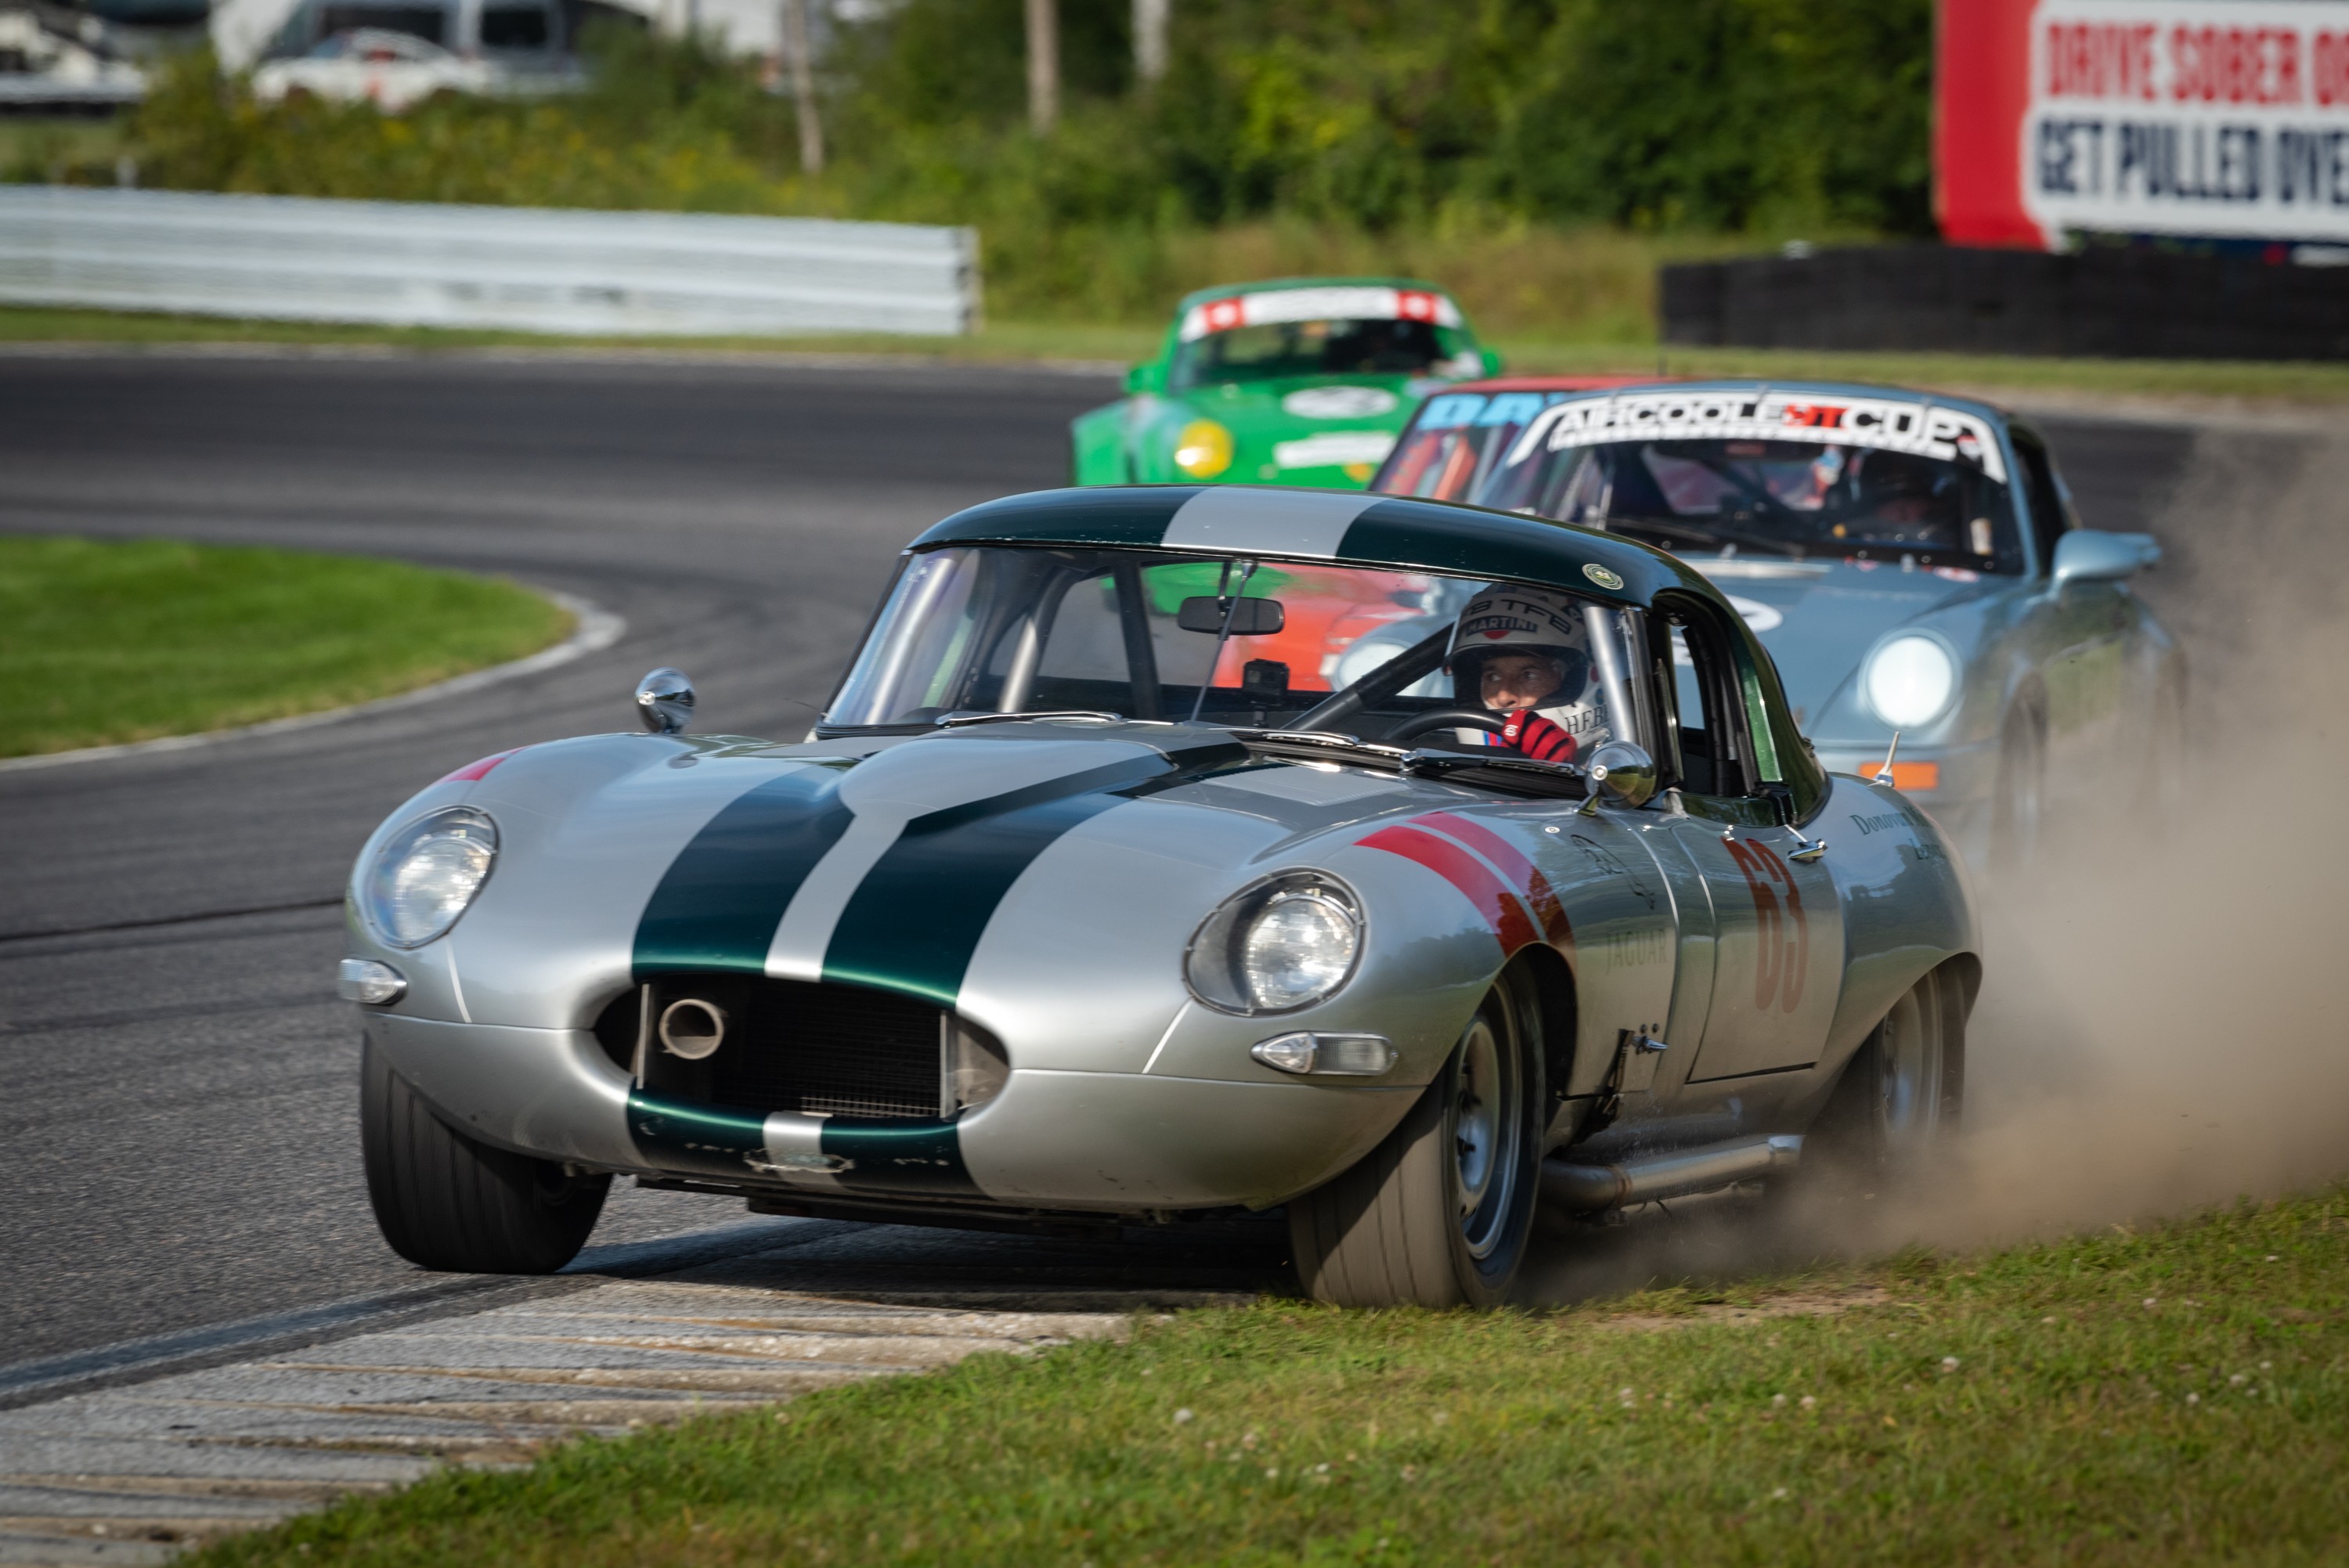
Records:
x=1204, y=450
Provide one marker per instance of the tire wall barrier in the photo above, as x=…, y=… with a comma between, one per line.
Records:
x=407, y=264
x=2105, y=302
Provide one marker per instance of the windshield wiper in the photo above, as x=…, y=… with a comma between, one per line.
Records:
x=1521, y=771
x=959, y=720
x=1318, y=741
x=1492, y=769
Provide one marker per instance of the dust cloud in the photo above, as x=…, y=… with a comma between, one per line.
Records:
x=2162, y=1023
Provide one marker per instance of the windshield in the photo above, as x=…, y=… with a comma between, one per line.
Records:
x=1882, y=492
x=979, y=629
x=1452, y=447
x=1335, y=346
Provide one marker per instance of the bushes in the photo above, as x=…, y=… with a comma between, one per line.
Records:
x=1421, y=135
x=1672, y=114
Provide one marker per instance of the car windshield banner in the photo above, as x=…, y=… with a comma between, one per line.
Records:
x=1343, y=303
x=1924, y=428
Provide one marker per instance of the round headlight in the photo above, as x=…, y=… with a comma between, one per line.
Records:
x=1910, y=680
x=1204, y=450
x=428, y=873
x=1296, y=949
x=1285, y=944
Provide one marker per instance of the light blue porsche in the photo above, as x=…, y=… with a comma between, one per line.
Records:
x=1912, y=562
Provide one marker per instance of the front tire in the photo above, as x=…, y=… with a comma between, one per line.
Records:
x=446, y=1201
x=1439, y=1213
x=2020, y=805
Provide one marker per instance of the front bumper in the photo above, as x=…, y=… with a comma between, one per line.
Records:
x=1092, y=1141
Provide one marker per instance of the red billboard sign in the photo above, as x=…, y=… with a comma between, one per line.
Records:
x=2214, y=118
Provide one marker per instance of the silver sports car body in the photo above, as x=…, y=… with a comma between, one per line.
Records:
x=1078, y=908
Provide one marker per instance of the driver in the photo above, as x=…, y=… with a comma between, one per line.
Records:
x=1525, y=654
x=1912, y=498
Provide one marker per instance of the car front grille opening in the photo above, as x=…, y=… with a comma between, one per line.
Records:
x=799, y=1046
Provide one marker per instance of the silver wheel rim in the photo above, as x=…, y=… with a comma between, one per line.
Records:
x=1485, y=1136
x=1908, y=1083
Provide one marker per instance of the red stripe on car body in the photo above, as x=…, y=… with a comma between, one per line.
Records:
x=474, y=771
x=1475, y=879
x=1512, y=864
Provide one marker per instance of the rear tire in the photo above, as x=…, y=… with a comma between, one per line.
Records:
x=446, y=1202
x=1890, y=1118
x=1439, y=1213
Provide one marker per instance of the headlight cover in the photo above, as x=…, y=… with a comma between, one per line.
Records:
x=1204, y=450
x=1283, y=944
x=428, y=873
x=1910, y=680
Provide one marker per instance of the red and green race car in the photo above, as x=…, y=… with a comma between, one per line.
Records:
x=1295, y=381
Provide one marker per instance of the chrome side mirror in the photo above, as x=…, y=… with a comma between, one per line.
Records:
x=1625, y=773
x=2089, y=555
x=665, y=701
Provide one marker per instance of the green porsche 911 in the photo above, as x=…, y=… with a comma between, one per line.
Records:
x=1297, y=381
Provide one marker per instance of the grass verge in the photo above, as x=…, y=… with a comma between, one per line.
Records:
x=106, y=642
x=1011, y=342
x=2176, y=1395
x=1030, y=342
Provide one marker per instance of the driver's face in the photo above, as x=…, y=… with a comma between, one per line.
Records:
x=1514, y=681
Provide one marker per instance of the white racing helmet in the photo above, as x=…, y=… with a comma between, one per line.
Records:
x=1505, y=619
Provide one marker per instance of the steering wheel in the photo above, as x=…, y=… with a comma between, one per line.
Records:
x=1419, y=723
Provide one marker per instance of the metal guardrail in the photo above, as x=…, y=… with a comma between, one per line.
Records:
x=405, y=263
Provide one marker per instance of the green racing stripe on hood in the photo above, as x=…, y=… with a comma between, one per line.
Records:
x=718, y=904
x=914, y=923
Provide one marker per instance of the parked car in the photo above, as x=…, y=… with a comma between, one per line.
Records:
x=1049, y=922
x=391, y=70
x=396, y=53
x=1913, y=562
x=1297, y=381
x=57, y=60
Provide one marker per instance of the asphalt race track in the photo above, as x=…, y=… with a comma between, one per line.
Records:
x=178, y=1139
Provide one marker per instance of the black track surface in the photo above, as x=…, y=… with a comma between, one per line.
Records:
x=178, y=1144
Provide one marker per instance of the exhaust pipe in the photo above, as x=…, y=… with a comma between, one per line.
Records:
x=1675, y=1175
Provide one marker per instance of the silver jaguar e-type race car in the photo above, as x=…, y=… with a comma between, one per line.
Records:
x=1098, y=894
